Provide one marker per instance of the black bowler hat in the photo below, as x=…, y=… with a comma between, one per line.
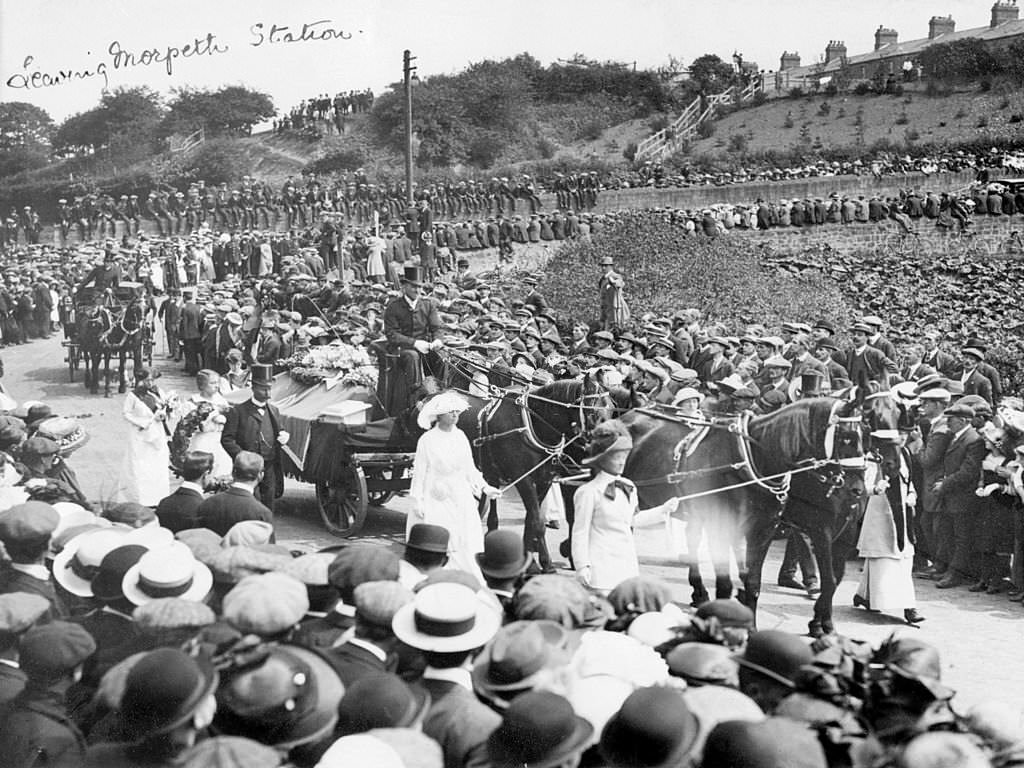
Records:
x=428, y=538
x=503, y=555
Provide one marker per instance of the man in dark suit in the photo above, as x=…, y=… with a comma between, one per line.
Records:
x=180, y=510
x=170, y=315
x=412, y=325
x=191, y=333
x=25, y=531
x=943, y=362
x=222, y=510
x=961, y=468
x=456, y=720
x=936, y=437
x=371, y=649
x=876, y=339
x=255, y=426
x=866, y=363
x=971, y=378
x=914, y=368
x=986, y=370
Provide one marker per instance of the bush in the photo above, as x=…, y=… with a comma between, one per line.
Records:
x=985, y=85
x=547, y=148
x=706, y=129
x=724, y=277
x=737, y=143
x=831, y=89
x=484, y=150
x=862, y=88
x=796, y=93
x=218, y=161
x=659, y=123
x=339, y=160
x=759, y=99
x=630, y=151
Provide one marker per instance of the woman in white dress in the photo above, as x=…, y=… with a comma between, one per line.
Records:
x=446, y=482
x=207, y=435
x=887, y=583
x=143, y=478
x=607, y=510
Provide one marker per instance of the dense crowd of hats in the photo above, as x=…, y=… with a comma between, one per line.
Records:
x=133, y=646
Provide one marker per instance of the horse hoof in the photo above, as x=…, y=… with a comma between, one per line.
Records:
x=815, y=629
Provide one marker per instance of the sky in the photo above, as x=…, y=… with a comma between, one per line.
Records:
x=86, y=45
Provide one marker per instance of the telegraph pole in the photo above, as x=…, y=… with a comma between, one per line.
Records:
x=407, y=71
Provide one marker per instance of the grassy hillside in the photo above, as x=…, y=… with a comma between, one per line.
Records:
x=847, y=120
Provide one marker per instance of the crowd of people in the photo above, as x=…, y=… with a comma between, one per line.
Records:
x=185, y=635
x=327, y=110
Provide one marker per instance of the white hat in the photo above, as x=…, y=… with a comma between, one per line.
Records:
x=445, y=402
x=168, y=571
x=938, y=393
x=446, y=618
x=77, y=564
x=687, y=393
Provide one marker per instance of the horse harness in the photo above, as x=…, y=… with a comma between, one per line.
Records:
x=777, y=485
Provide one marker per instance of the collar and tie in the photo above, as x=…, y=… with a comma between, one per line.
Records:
x=625, y=485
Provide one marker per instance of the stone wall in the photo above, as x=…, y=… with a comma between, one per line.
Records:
x=994, y=231
x=698, y=197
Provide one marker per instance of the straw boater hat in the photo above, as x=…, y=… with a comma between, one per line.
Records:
x=445, y=402
x=446, y=618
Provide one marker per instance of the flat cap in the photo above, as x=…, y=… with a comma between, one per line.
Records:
x=20, y=610
x=959, y=409
x=54, y=649
x=377, y=602
x=359, y=563
x=28, y=522
x=172, y=613
x=729, y=613
x=232, y=564
x=266, y=604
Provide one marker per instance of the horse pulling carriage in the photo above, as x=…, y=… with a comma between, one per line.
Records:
x=802, y=465
x=116, y=327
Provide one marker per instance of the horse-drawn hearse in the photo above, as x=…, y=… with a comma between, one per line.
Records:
x=105, y=324
x=802, y=464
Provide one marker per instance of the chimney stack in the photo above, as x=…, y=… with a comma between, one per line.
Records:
x=789, y=60
x=1004, y=11
x=836, y=49
x=941, y=25
x=885, y=36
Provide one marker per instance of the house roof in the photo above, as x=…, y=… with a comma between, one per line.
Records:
x=910, y=48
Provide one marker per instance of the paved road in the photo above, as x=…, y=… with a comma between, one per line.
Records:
x=980, y=638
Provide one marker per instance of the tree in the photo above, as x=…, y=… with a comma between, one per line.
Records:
x=24, y=125
x=231, y=109
x=25, y=135
x=964, y=59
x=710, y=73
x=124, y=123
x=1013, y=59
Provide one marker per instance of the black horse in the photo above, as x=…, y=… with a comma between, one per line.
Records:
x=103, y=333
x=528, y=437
x=744, y=480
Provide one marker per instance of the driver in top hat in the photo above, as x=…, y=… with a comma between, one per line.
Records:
x=103, y=276
x=412, y=324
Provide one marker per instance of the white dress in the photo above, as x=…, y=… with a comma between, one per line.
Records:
x=887, y=581
x=445, y=484
x=602, y=533
x=143, y=478
x=207, y=437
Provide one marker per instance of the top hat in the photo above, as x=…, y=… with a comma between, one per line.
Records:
x=412, y=275
x=262, y=374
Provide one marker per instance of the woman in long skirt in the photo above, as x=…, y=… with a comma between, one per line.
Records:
x=446, y=482
x=143, y=478
x=886, y=583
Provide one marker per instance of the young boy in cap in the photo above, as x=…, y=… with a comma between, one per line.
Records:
x=25, y=531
